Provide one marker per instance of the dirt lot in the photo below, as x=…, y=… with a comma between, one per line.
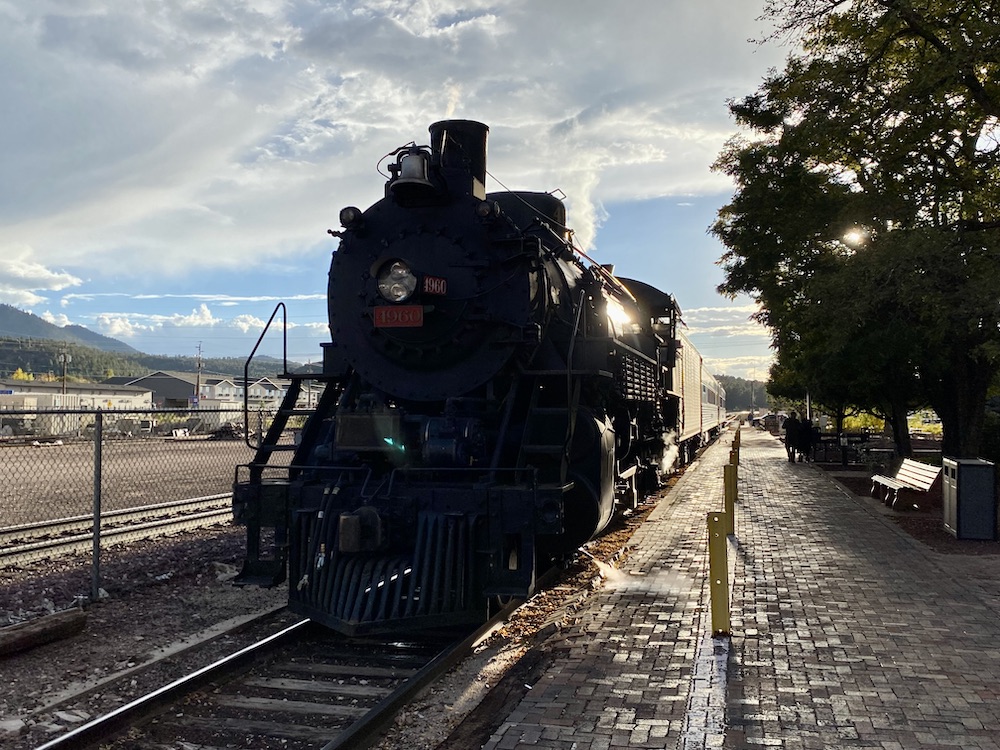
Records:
x=157, y=593
x=56, y=480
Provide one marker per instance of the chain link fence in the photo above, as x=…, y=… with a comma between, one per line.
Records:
x=52, y=466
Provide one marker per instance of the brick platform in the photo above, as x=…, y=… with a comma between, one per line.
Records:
x=847, y=633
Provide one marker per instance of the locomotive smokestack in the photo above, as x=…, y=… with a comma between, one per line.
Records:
x=461, y=145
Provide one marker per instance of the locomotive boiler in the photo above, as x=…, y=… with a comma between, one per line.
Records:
x=490, y=398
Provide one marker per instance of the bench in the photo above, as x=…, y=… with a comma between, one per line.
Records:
x=911, y=475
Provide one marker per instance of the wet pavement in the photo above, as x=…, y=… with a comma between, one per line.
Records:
x=846, y=632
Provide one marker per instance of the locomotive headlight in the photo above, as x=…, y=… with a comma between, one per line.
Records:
x=396, y=282
x=349, y=217
x=487, y=209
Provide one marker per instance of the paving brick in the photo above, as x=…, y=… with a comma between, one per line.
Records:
x=846, y=633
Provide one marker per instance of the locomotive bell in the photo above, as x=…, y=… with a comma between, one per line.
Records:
x=413, y=173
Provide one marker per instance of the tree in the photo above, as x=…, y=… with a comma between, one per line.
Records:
x=887, y=120
x=742, y=394
x=20, y=374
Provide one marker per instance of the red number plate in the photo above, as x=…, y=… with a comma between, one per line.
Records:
x=435, y=285
x=399, y=316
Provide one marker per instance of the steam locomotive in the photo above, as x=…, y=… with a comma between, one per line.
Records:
x=490, y=398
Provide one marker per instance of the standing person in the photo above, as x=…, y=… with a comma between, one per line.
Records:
x=805, y=440
x=792, y=427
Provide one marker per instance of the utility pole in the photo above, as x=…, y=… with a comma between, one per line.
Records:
x=197, y=386
x=65, y=359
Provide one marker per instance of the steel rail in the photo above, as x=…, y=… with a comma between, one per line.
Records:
x=367, y=730
x=360, y=734
x=20, y=553
x=132, y=713
x=45, y=529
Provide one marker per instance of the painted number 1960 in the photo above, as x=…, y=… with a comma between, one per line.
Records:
x=399, y=316
x=435, y=285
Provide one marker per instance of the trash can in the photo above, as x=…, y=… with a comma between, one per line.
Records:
x=967, y=490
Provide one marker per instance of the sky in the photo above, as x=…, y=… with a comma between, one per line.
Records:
x=170, y=167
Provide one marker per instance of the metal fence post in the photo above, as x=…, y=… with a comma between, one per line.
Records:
x=729, y=475
x=718, y=572
x=95, y=565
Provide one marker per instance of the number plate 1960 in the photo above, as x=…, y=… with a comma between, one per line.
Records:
x=399, y=316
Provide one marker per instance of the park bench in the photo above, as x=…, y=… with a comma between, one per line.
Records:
x=911, y=475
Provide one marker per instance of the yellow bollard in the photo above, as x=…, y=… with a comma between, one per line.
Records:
x=729, y=477
x=718, y=571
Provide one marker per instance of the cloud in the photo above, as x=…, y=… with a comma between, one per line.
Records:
x=755, y=367
x=192, y=136
x=723, y=309
x=133, y=323
x=129, y=325
x=729, y=329
x=218, y=298
x=165, y=151
x=247, y=323
x=198, y=318
x=725, y=322
x=22, y=278
x=121, y=326
x=57, y=320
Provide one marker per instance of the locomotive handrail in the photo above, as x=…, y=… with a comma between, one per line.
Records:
x=601, y=270
x=608, y=276
x=504, y=423
x=576, y=329
x=246, y=367
x=596, y=267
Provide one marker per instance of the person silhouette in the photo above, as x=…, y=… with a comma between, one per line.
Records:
x=792, y=427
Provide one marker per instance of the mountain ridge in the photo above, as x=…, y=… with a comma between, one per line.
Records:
x=17, y=324
x=35, y=347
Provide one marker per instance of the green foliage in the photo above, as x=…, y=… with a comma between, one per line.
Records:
x=863, y=422
x=741, y=394
x=886, y=122
x=990, y=449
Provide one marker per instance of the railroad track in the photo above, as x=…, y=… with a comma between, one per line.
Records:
x=303, y=687
x=37, y=541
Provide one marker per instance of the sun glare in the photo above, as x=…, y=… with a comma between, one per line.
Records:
x=855, y=238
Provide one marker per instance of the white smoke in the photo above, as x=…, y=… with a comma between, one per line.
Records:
x=671, y=453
